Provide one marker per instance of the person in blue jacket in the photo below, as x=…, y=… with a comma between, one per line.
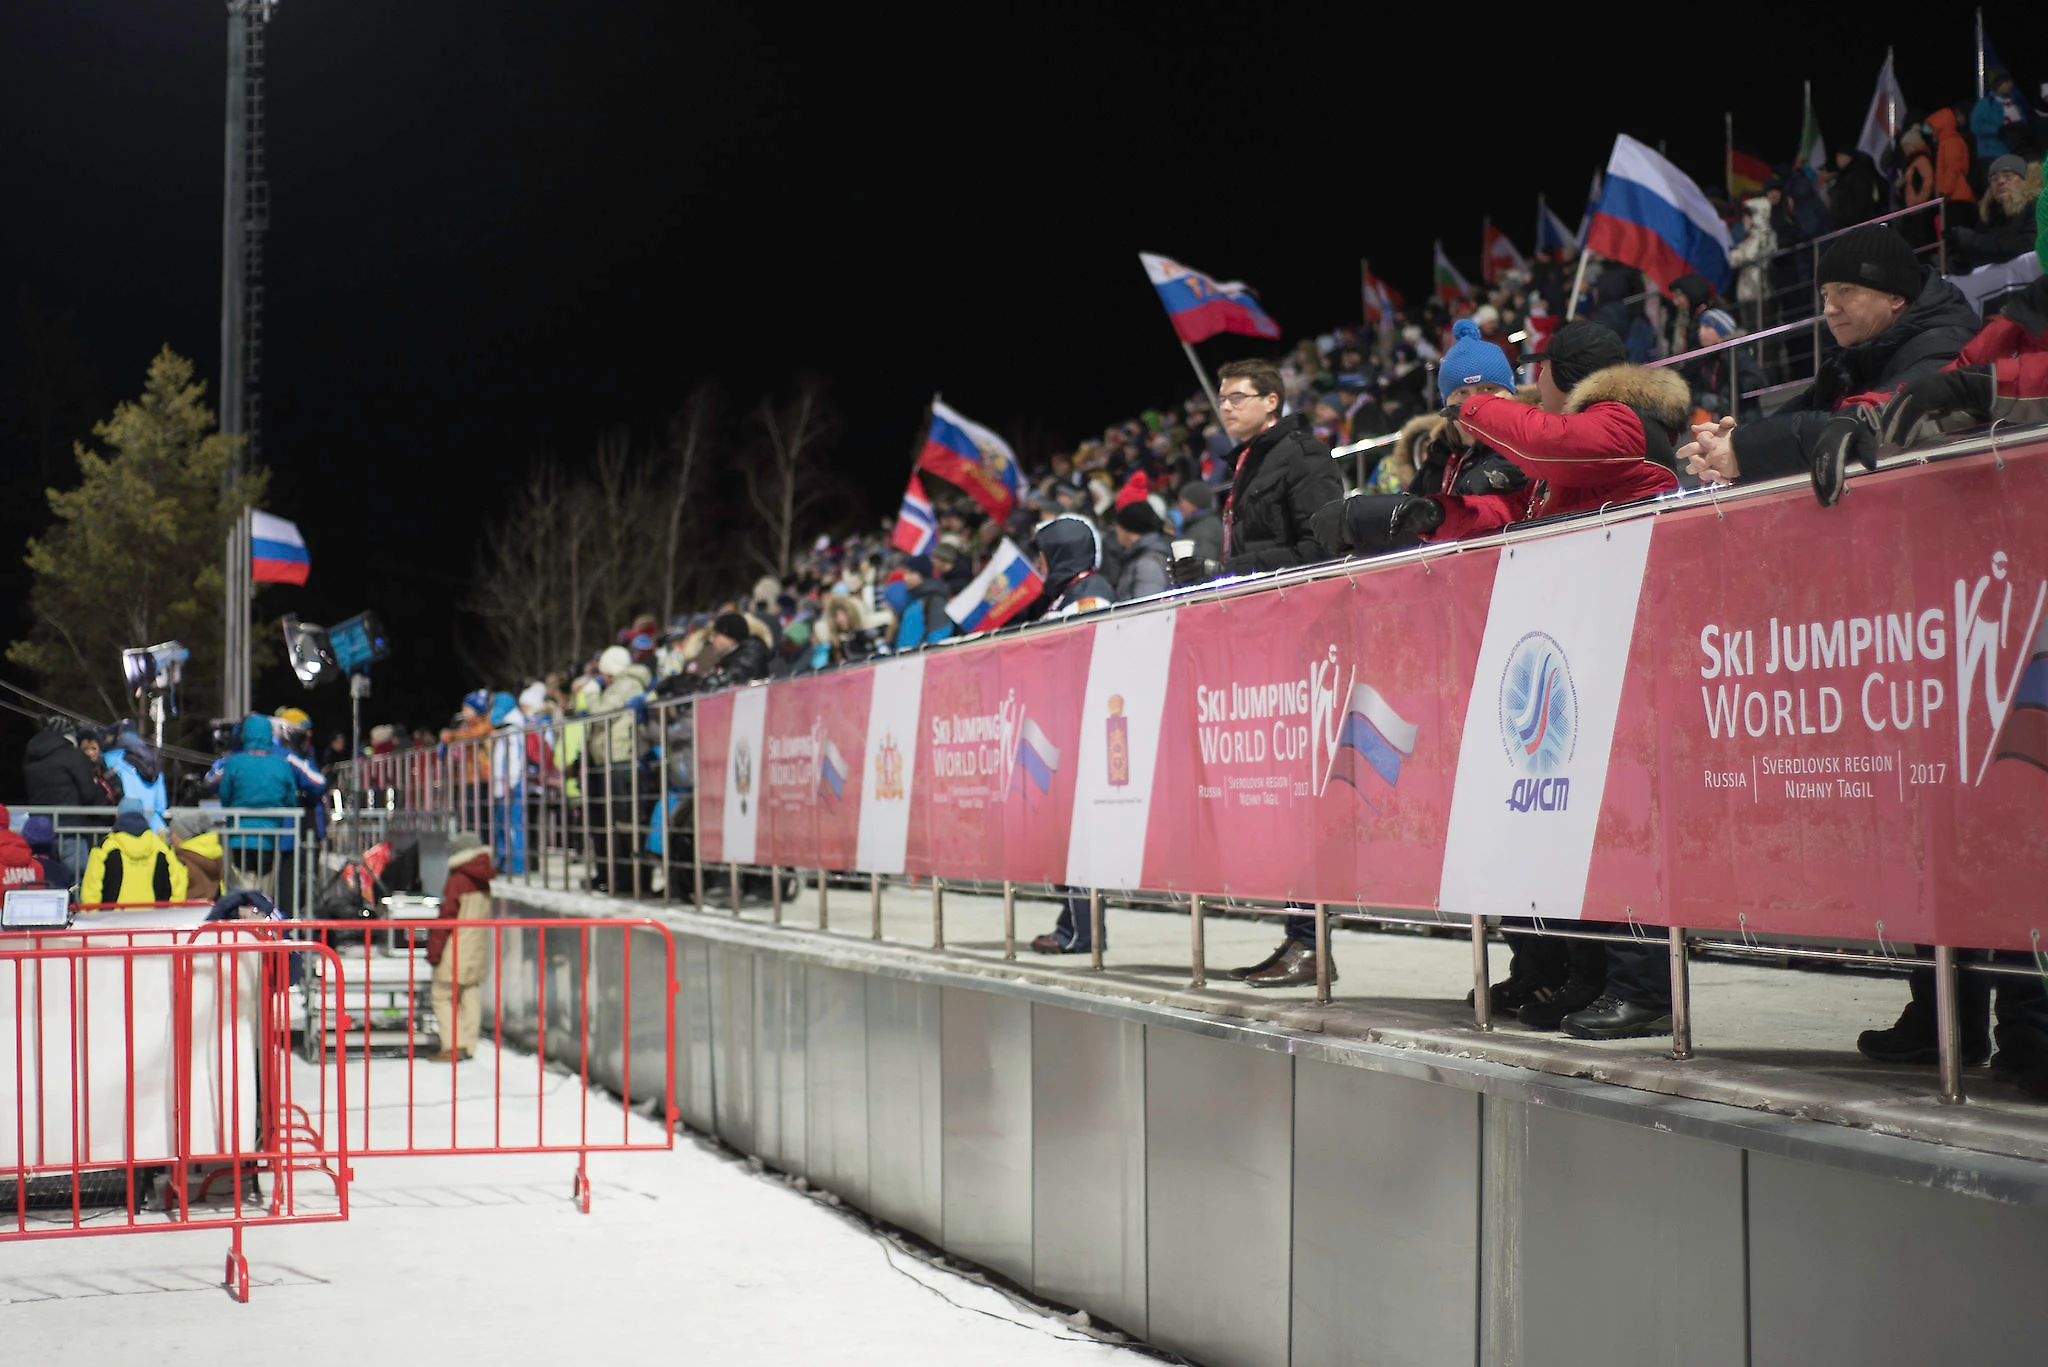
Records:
x=134, y=761
x=924, y=617
x=258, y=776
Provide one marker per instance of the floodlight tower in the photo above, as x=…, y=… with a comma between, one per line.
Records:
x=245, y=218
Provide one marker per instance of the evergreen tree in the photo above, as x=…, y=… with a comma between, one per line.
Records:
x=136, y=553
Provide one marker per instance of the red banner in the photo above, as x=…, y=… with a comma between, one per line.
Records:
x=1754, y=714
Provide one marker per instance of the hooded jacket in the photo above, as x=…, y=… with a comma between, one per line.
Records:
x=257, y=776
x=1612, y=444
x=1072, y=549
x=56, y=773
x=1488, y=485
x=1144, y=571
x=19, y=867
x=1284, y=476
x=136, y=768
x=747, y=661
x=203, y=858
x=613, y=742
x=466, y=896
x=133, y=865
x=1951, y=158
x=924, y=615
x=2015, y=346
x=1751, y=255
x=1923, y=339
x=1205, y=529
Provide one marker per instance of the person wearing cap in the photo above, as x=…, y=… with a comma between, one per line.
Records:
x=133, y=865
x=40, y=834
x=1282, y=474
x=738, y=656
x=2008, y=213
x=2001, y=373
x=1199, y=522
x=198, y=848
x=924, y=618
x=1146, y=552
x=459, y=956
x=1892, y=319
x=1450, y=465
x=1711, y=376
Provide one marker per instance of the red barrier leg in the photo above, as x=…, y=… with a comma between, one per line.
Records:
x=237, y=1275
x=581, y=1193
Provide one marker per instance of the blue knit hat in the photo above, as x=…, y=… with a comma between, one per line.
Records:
x=478, y=701
x=1472, y=360
x=502, y=706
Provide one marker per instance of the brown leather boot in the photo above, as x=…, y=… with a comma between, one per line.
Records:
x=1295, y=967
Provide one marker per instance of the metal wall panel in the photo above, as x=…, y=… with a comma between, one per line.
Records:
x=904, y=1107
x=1504, y=1159
x=1219, y=1122
x=1386, y=1219
x=836, y=1077
x=732, y=1045
x=607, y=1020
x=1632, y=1246
x=694, y=1073
x=648, y=972
x=1852, y=1269
x=985, y=1095
x=779, y=1014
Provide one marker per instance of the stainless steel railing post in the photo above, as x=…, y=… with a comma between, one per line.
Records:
x=824, y=910
x=1095, y=929
x=1681, y=997
x=1197, y=951
x=875, y=904
x=1322, y=953
x=938, y=913
x=1948, y=1025
x=1009, y=919
x=1482, y=990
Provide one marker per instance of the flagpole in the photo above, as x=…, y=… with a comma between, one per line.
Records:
x=1215, y=404
x=1728, y=158
x=1578, y=281
x=1980, y=52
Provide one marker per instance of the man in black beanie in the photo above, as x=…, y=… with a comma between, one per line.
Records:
x=1892, y=319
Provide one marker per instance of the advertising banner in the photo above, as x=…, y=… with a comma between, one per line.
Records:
x=1763, y=716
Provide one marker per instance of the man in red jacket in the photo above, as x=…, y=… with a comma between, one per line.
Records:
x=459, y=956
x=19, y=867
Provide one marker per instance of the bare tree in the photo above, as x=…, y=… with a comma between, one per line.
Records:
x=786, y=483
x=689, y=434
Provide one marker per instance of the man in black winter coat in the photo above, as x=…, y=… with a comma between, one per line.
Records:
x=1892, y=319
x=742, y=656
x=56, y=773
x=1284, y=475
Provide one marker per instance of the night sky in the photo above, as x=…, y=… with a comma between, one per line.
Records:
x=500, y=229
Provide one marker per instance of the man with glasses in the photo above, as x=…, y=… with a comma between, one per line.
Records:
x=1283, y=474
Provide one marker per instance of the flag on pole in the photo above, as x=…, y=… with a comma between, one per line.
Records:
x=998, y=593
x=1813, y=148
x=1551, y=234
x=916, y=527
x=277, y=553
x=969, y=455
x=1497, y=255
x=1450, y=286
x=1652, y=217
x=1592, y=203
x=1381, y=299
x=1747, y=175
x=1887, y=115
x=1200, y=307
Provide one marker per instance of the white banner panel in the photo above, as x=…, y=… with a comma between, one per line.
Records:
x=889, y=767
x=1120, y=719
x=1532, y=765
x=744, y=760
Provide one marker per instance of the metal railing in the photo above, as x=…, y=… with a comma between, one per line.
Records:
x=629, y=826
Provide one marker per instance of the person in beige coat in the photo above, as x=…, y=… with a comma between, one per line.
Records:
x=459, y=956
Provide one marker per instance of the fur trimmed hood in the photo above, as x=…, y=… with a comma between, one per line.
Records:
x=1661, y=395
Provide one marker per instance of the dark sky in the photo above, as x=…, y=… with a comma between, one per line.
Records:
x=501, y=228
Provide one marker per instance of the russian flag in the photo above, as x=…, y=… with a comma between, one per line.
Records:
x=831, y=772
x=1038, y=755
x=277, y=553
x=969, y=455
x=1200, y=307
x=2024, y=734
x=916, y=527
x=1375, y=733
x=1652, y=217
x=1551, y=234
x=998, y=593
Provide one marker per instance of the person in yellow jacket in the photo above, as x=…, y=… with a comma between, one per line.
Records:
x=198, y=848
x=133, y=865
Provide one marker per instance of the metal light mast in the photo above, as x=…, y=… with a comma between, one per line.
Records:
x=245, y=217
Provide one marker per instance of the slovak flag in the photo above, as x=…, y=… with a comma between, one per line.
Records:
x=916, y=527
x=1652, y=217
x=277, y=553
x=831, y=773
x=1037, y=756
x=969, y=455
x=1497, y=255
x=998, y=593
x=1200, y=307
x=1375, y=734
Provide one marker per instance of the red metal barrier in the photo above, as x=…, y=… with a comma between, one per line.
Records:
x=158, y=1067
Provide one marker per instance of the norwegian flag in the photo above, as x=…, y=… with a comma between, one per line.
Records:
x=916, y=527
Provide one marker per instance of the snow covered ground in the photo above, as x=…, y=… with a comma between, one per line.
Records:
x=687, y=1255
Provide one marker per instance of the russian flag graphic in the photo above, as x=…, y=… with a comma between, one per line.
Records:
x=831, y=772
x=1373, y=732
x=277, y=553
x=1037, y=755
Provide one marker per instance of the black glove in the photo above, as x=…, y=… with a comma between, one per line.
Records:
x=1327, y=527
x=1927, y=399
x=1380, y=522
x=1842, y=438
x=1193, y=570
x=1415, y=519
x=1450, y=411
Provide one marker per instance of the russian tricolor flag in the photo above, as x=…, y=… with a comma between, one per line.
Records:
x=1651, y=216
x=1038, y=756
x=1201, y=307
x=277, y=553
x=831, y=772
x=998, y=593
x=916, y=527
x=1375, y=733
x=969, y=455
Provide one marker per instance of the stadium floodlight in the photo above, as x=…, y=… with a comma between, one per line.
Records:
x=359, y=642
x=310, y=650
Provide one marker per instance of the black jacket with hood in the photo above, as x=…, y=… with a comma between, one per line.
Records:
x=56, y=773
x=1922, y=340
x=1286, y=477
x=1072, y=549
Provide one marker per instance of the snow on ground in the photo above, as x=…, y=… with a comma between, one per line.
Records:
x=687, y=1255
